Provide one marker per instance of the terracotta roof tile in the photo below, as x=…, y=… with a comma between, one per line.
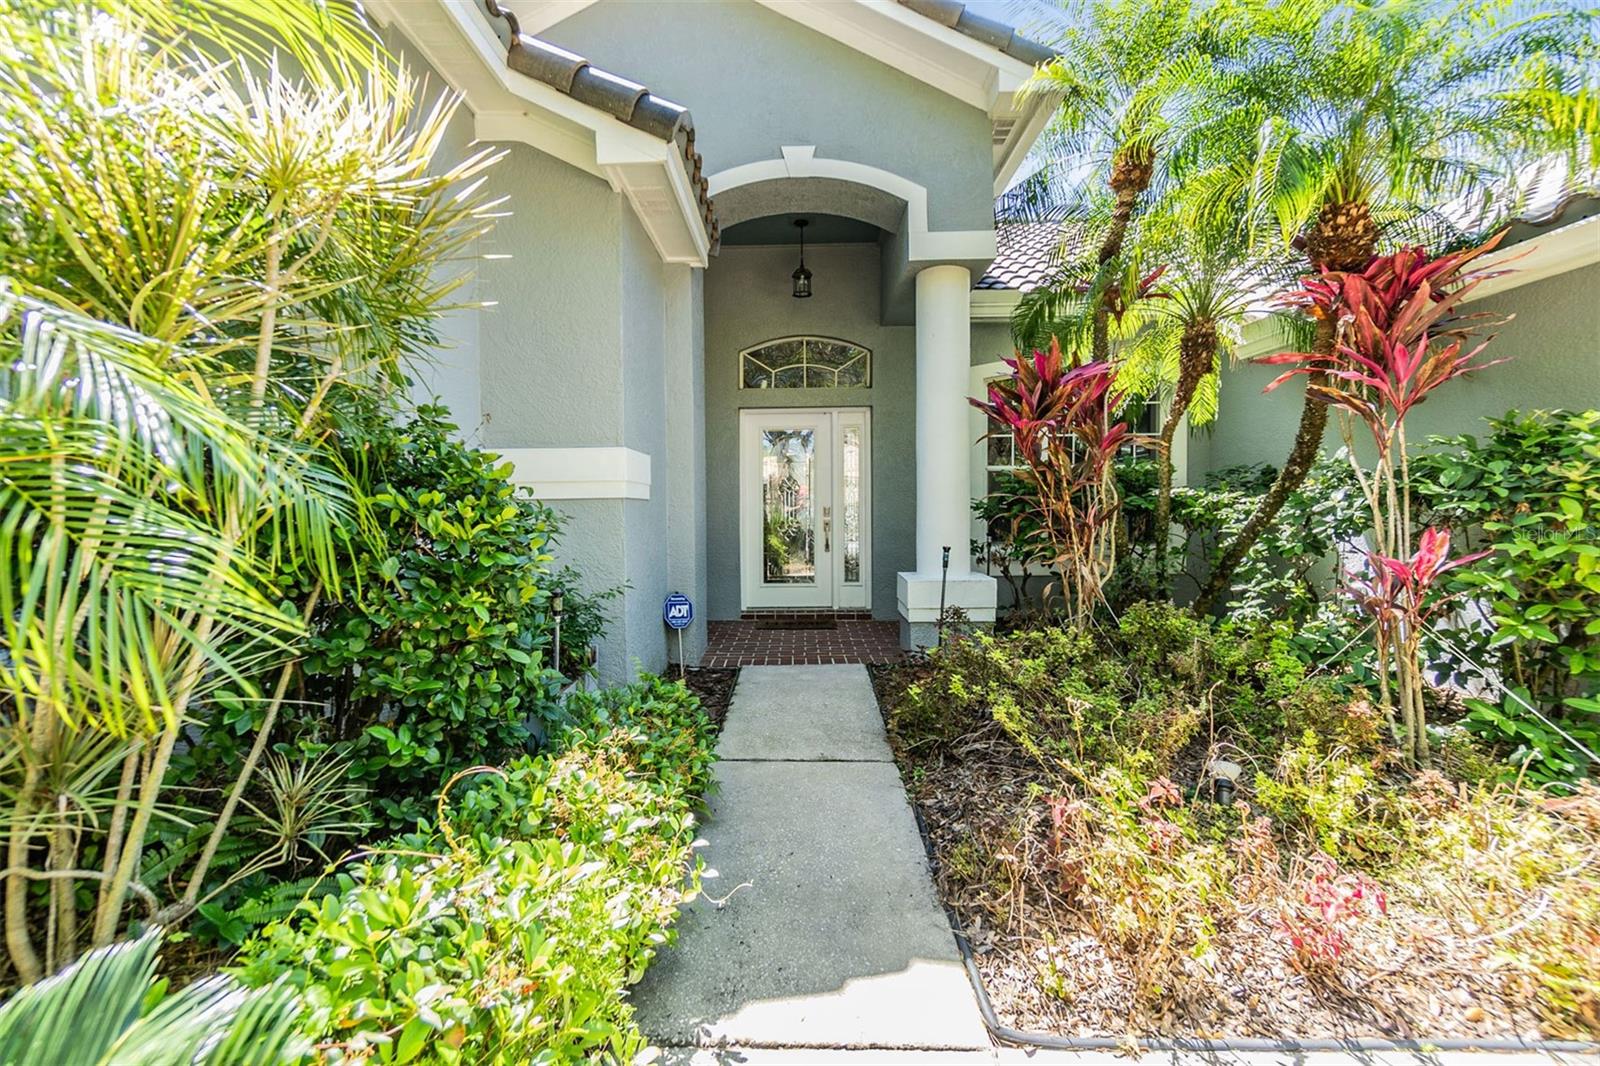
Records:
x=997, y=35
x=626, y=101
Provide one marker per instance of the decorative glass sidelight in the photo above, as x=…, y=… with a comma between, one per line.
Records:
x=788, y=506
x=850, y=505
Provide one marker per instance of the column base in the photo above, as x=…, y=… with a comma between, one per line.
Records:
x=918, y=600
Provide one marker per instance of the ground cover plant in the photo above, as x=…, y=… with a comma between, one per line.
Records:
x=1069, y=782
x=511, y=935
x=1335, y=780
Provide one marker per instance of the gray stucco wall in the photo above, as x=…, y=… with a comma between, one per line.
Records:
x=451, y=375
x=991, y=342
x=756, y=80
x=573, y=354
x=549, y=379
x=686, y=451
x=1553, y=346
x=747, y=301
x=643, y=359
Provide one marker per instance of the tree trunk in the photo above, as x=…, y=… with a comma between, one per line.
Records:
x=1343, y=237
x=1307, y=446
x=1197, y=352
x=1131, y=170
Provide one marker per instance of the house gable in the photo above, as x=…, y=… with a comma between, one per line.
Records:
x=758, y=81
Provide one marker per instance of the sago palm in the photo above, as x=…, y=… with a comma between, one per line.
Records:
x=1350, y=115
x=108, y=1010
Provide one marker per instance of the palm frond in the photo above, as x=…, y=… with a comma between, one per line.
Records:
x=99, y=1012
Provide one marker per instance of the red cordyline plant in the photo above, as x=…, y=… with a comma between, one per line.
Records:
x=1398, y=337
x=1399, y=594
x=1061, y=417
x=1327, y=906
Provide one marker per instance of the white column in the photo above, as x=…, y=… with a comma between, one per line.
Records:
x=944, y=357
x=944, y=459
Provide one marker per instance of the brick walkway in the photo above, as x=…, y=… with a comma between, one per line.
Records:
x=853, y=639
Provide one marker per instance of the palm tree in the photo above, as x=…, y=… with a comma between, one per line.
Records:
x=1129, y=81
x=1361, y=114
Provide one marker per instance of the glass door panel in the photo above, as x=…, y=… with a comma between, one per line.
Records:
x=789, y=506
x=850, y=502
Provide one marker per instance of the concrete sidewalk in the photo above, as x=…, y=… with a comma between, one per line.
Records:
x=829, y=934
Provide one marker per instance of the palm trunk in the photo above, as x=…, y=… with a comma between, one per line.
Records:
x=1307, y=446
x=1131, y=171
x=19, y=941
x=1196, y=356
x=1343, y=237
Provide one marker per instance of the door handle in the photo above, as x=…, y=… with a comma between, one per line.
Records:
x=827, y=529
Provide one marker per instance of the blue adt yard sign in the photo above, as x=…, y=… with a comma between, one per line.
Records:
x=678, y=611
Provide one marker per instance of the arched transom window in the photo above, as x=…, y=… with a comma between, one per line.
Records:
x=805, y=363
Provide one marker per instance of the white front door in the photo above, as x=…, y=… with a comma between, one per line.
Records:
x=804, y=507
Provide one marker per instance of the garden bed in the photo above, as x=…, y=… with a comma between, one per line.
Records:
x=714, y=688
x=1105, y=893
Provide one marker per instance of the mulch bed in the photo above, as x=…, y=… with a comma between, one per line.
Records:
x=714, y=686
x=1045, y=973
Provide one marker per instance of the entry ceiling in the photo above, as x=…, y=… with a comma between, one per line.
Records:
x=780, y=229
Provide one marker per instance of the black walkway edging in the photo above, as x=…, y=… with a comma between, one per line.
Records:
x=1055, y=1042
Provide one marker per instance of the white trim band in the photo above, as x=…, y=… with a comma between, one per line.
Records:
x=581, y=473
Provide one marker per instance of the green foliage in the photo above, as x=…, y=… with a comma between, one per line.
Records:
x=1530, y=492
x=512, y=938
x=1133, y=696
x=1284, y=575
x=108, y=1008
x=442, y=659
x=1331, y=797
x=440, y=656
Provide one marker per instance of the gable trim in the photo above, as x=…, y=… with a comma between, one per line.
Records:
x=912, y=38
x=507, y=105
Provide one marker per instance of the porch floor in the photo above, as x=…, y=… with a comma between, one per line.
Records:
x=778, y=640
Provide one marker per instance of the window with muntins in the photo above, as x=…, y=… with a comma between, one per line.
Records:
x=805, y=363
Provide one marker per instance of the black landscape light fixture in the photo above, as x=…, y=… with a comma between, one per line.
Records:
x=1224, y=780
x=802, y=276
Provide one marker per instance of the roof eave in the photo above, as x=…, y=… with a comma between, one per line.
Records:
x=459, y=41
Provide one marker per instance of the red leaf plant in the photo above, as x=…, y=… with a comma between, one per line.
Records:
x=1398, y=593
x=1062, y=418
x=1325, y=907
x=1390, y=316
x=1398, y=338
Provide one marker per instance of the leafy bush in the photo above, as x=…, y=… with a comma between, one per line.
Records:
x=511, y=937
x=440, y=656
x=1284, y=575
x=1530, y=491
x=1331, y=798
x=1133, y=695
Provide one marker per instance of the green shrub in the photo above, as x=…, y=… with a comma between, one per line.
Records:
x=1530, y=492
x=1333, y=799
x=1285, y=574
x=1133, y=695
x=549, y=891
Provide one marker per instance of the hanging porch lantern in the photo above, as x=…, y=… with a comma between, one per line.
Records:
x=802, y=276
